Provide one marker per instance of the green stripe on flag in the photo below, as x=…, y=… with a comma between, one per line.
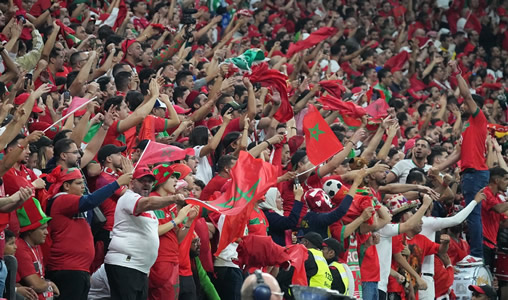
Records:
x=244, y=62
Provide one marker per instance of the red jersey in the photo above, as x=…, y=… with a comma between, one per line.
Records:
x=72, y=242
x=398, y=244
x=490, y=218
x=443, y=277
x=213, y=186
x=258, y=224
x=168, y=242
x=108, y=207
x=419, y=246
x=30, y=262
x=457, y=250
x=117, y=138
x=369, y=266
x=473, y=152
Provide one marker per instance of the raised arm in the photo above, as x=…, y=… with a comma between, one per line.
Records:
x=152, y=203
x=339, y=158
x=471, y=106
x=142, y=111
x=83, y=74
x=215, y=140
x=416, y=218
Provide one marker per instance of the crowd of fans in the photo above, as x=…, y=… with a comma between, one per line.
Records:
x=415, y=198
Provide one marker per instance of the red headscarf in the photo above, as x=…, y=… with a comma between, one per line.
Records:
x=58, y=176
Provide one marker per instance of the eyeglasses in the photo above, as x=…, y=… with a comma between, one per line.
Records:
x=74, y=152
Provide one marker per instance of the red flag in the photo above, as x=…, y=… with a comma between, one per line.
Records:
x=378, y=108
x=269, y=77
x=68, y=34
x=77, y=103
x=251, y=178
x=147, y=131
x=346, y=108
x=313, y=39
x=122, y=14
x=333, y=87
x=257, y=251
x=298, y=254
x=157, y=153
x=473, y=23
x=320, y=140
x=399, y=11
x=397, y=61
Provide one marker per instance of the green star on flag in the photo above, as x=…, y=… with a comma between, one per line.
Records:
x=315, y=132
x=320, y=141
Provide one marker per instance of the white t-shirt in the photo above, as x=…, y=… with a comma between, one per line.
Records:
x=384, y=253
x=431, y=225
x=99, y=285
x=203, y=169
x=402, y=168
x=135, y=238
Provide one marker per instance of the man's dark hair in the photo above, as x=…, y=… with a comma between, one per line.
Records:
x=9, y=234
x=436, y=150
x=71, y=77
x=178, y=92
x=415, y=175
x=225, y=161
x=133, y=99
x=406, y=131
x=53, y=54
x=103, y=83
x=14, y=142
x=74, y=59
x=116, y=101
x=61, y=135
x=239, y=90
x=133, y=4
x=114, y=39
x=495, y=173
x=62, y=146
x=105, y=31
x=199, y=183
x=423, y=139
x=122, y=80
x=478, y=100
x=382, y=74
x=422, y=108
x=181, y=76
x=118, y=68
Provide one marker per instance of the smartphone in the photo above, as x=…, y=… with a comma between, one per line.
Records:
x=67, y=96
x=21, y=19
x=28, y=80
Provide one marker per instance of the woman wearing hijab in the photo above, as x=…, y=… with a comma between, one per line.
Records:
x=272, y=208
x=72, y=249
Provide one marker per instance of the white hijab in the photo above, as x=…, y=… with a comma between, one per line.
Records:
x=271, y=201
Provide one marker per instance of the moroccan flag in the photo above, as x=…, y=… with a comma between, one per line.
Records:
x=68, y=34
x=473, y=23
x=378, y=108
x=397, y=61
x=333, y=87
x=274, y=78
x=244, y=62
x=157, y=153
x=251, y=178
x=320, y=140
x=313, y=39
x=344, y=107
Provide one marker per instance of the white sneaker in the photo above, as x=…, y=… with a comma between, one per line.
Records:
x=470, y=261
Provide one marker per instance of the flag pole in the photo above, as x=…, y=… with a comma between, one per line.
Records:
x=68, y=114
x=141, y=156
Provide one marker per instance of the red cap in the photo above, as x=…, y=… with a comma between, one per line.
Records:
x=126, y=44
x=142, y=172
x=181, y=110
x=190, y=98
x=21, y=99
x=184, y=170
x=272, y=17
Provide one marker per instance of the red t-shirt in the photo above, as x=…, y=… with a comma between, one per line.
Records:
x=30, y=261
x=490, y=218
x=108, y=207
x=214, y=185
x=168, y=242
x=443, y=277
x=473, y=152
x=369, y=266
x=117, y=138
x=72, y=242
x=16, y=180
x=457, y=250
x=419, y=246
x=398, y=244
x=258, y=224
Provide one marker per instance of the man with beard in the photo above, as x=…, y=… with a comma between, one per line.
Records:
x=420, y=152
x=204, y=286
x=55, y=65
x=473, y=155
x=127, y=264
x=133, y=54
x=19, y=175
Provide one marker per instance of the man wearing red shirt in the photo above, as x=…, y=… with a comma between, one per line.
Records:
x=34, y=229
x=473, y=156
x=123, y=131
x=493, y=212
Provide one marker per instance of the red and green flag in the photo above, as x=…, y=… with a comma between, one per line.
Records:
x=157, y=153
x=251, y=178
x=320, y=140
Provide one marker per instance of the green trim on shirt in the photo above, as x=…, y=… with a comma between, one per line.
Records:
x=476, y=112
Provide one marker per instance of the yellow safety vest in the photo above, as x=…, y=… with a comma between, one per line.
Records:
x=343, y=275
x=323, y=277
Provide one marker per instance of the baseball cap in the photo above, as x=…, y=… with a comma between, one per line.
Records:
x=142, y=172
x=485, y=290
x=334, y=245
x=234, y=105
x=314, y=238
x=160, y=104
x=108, y=150
x=21, y=99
